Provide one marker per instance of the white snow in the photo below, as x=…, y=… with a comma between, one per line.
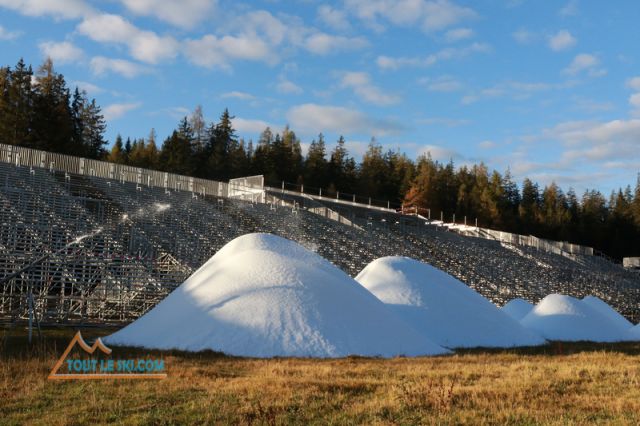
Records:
x=560, y=317
x=263, y=296
x=517, y=308
x=605, y=309
x=442, y=307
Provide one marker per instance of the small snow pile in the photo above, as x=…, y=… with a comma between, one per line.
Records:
x=635, y=332
x=443, y=308
x=605, y=309
x=517, y=308
x=560, y=317
x=263, y=296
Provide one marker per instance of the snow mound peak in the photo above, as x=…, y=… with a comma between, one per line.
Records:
x=517, y=308
x=560, y=317
x=442, y=307
x=605, y=309
x=263, y=296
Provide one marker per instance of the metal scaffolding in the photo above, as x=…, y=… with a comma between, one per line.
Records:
x=106, y=244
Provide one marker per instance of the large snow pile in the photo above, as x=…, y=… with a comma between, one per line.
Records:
x=560, y=317
x=517, y=308
x=262, y=295
x=605, y=309
x=440, y=306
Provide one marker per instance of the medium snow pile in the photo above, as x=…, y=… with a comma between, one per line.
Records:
x=517, y=308
x=560, y=317
x=443, y=308
x=605, y=309
x=263, y=296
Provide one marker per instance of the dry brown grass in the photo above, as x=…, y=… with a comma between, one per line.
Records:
x=584, y=383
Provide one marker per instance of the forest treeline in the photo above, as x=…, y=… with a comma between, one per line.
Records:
x=38, y=110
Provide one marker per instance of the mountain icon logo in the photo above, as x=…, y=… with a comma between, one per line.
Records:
x=105, y=369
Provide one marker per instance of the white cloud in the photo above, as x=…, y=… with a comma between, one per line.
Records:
x=115, y=111
x=524, y=36
x=88, y=87
x=458, y=34
x=362, y=86
x=634, y=83
x=144, y=46
x=597, y=141
x=183, y=13
x=61, y=52
x=8, y=35
x=213, y=52
x=487, y=144
x=443, y=83
x=585, y=62
x=313, y=118
x=62, y=9
x=562, y=40
x=440, y=153
x=323, y=43
x=570, y=9
x=446, y=54
x=243, y=96
x=334, y=18
x=634, y=101
x=430, y=15
x=244, y=125
x=517, y=90
x=101, y=65
x=288, y=87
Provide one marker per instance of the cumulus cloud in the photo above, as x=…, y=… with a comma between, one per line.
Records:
x=634, y=83
x=243, y=96
x=244, y=125
x=562, y=40
x=597, y=141
x=8, y=35
x=458, y=34
x=214, y=52
x=361, y=84
x=570, y=9
x=334, y=18
x=323, y=43
x=101, y=65
x=449, y=53
x=523, y=36
x=443, y=83
x=115, y=111
x=288, y=87
x=61, y=52
x=88, y=87
x=61, y=9
x=430, y=15
x=145, y=46
x=183, y=13
x=585, y=62
x=313, y=118
x=440, y=153
x=487, y=144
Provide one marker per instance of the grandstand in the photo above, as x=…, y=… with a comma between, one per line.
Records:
x=89, y=242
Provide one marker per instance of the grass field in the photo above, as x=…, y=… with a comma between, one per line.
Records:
x=558, y=384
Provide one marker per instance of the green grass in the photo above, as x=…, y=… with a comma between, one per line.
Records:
x=564, y=383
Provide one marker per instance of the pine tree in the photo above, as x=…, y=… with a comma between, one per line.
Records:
x=18, y=118
x=117, y=154
x=53, y=124
x=315, y=165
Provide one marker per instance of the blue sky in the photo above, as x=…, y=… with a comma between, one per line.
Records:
x=549, y=89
